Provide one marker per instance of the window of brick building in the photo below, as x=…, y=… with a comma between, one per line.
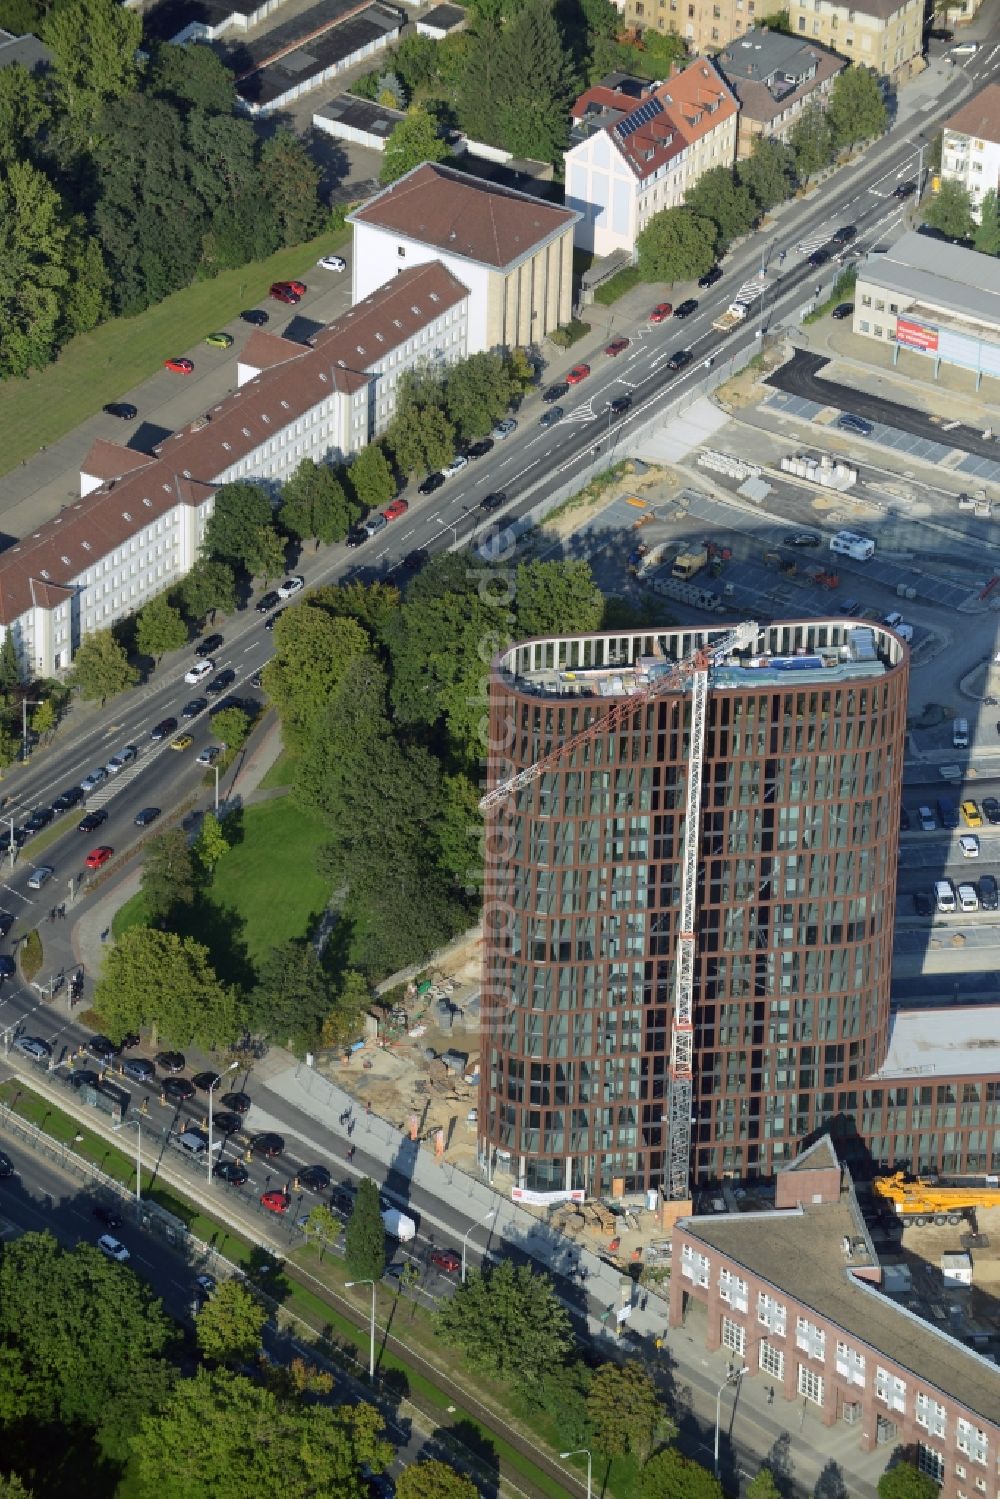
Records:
x=772, y=1360
x=734, y=1336
x=810, y=1385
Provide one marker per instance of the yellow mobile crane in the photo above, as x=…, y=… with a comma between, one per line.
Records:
x=921, y=1201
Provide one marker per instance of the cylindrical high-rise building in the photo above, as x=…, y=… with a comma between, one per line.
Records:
x=801, y=780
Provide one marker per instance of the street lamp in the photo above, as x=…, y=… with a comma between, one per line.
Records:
x=11, y=845
x=371, y=1347
x=211, y=1097
x=470, y=1230
x=582, y=1452
x=733, y=1377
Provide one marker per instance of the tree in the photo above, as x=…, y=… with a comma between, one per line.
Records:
x=676, y=245
x=431, y=1479
x=289, y=180
x=719, y=197
x=160, y=628
x=266, y=556
x=556, y=596
x=228, y=1327
x=517, y=83
x=24, y=111
x=211, y=844
x=624, y=1409
x=414, y=140
x=87, y=299
x=208, y=588
x=986, y=237
x=10, y=673
x=191, y=78
x=33, y=271
x=160, y=979
x=232, y=532
x=101, y=668
x=43, y=720
x=904, y=1481
x=291, y=999
x=811, y=140
x=364, y=1249
x=370, y=475
x=351, y=998
x=221, y=158
x=950, y=210
x=477, y=393
x=856, y=110
x=313, y=503
x=94, y=45
x=167, y=875
x=389, y=92
x=768, y=173
x=420, y=434
x=763, y=1486
x=232, y=725
x=312, y=654
x=323, y=1225
x=508, y=1322
x=669, y=1475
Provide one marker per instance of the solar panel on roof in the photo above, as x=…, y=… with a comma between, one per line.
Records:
x=647, y=111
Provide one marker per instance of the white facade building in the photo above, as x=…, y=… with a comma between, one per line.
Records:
x=970, y=148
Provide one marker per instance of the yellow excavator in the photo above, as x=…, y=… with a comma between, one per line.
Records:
x=921, y=1201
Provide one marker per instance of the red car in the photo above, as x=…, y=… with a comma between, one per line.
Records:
x=395, y=510
x=577, y=373
x=661, y=312
x=179, y=366
x=98, y=856
x=446, y=1259
x=288, y=291
x=275, y=1201
x=617, y=346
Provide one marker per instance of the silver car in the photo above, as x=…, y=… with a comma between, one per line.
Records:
x=34, y=1047
x=40, y=876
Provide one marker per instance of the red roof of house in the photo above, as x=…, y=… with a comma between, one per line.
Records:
x=649, y=131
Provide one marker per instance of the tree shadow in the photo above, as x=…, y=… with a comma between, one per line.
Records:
x=469, y=1440
x=62, y=1462
x=830, y=1483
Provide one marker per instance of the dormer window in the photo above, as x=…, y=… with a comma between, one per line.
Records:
x=44, y=572
x=228, y=447
x=86, y=546
x=245, y=431
x=66, y=562
x=148, y=502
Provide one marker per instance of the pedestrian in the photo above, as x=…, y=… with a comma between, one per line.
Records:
x=52, y=914
x=106, y=934
x=62, y=911
x=770, y=1396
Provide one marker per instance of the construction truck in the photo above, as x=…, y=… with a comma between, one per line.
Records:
x=686, y=564
x=921, y=1201
x=734, y=314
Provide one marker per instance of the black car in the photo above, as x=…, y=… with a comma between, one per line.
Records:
x=842, y=310
x=680, y=359
x=413, y=561
x=801, y=539
x=819, y=257
x=194, y=707
x=989, y=804
x=207, y=1081
x=84, y=1077
x=493, y=500
x=940, y=34
x=146, y=816
x=6, y=922
x=170, y=1061
x=555, y=392
x=314, y=1178
x=6, y=1166
x=922, y=903
x=255, y=315
x=239, y=1103
x=177, y=1089
x=162, y=729
x=92, y=821
x=103, y=1048
x=343, y=1196
x=356, y=537
x=233, y=1173
x=686, y=308
x=267, y=1144
x=226, y=1122
x=710, y=278
x=70, y=798
x=139, y=1069
x=8, y=967
x=479, y=449
x=620, y=405
x=266, y=602
x=989, y=894
x=208, y=646
x=904, y=189
x=39, y=819
x=124, y=410
x=431, y=483
x=108, y=1215
x=844, y=234
x=272, y=619
x=219, y=683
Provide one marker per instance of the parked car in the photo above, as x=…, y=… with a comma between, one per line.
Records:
x=661, y=312
x=430, y=484
x=556, y=392
x=289, y=292
x=123, y=410
x=577, y=373
x=179, y=366
x=989, y=895
x=620, y=405
x=971, y=815
x=267, y=1144
x=276, y=1201
x=686, y=308
x=503, y=429
x=177, y=1089
x=267, y=601
x=395, y=509
x=550, y=417
x=801, y=539
x=221, y=682
x=904, y=189
x=455, y=466
x=96, y=778
x=233, y=1173
x=207, y=1081
x=969, y=844
x=844, y=234
x=220, y=340
x=39, y=819
x=617, y=346
x=848, y=422
x=209, y=754
x=194, y=707
x=819, y=257
x=446, y=1259
x=33, y=1047
x=332, y=263
x=923, y=903
x=842, y=310
x=291, y=586
x=182, y=742
x=239, y=1102
x=314, y=1178
x=991, y=810
x=170, y=1061
x=139, y=1069
x=710, y=278
x=69, y=799
x=373, y=524
x=481, y=448
x=254, y=315
x=272, y=619
x=100, y=856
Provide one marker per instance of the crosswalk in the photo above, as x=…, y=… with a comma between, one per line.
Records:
x=814, y=242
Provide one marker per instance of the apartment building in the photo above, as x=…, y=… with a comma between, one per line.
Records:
x=637, y=148
x=704, y=24
x=775, y=77
x=970, y=150
x=885, y=35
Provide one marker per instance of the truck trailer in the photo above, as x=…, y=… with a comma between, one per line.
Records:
x=398, y=1225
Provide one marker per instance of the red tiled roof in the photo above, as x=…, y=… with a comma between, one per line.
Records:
x=691, y=103
x=262, y=351
x=980, y=117
x=110, y=460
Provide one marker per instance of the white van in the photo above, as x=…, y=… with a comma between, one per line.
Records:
x=968, y=898
x=195, y=1142
x=944, y=895
x=852, y=544
x=964, y=49
x=960, y=733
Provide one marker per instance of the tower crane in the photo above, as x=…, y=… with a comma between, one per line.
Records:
x=693, y=670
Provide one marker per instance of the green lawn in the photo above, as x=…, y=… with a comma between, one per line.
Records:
x=101, y=366
x=282, y=772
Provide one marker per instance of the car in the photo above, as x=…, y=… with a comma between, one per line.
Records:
x=661, y=312
x=923, y=904
x=39, y=819
x=179, y=366
x=356, y=537
x=194, y=707
x=819, y=257
x=162, y=729
x=503, y=429
x=257, y=679
x=209, y=754
x=291, y=586
x=314, y=1178
x=480, y=449
x=372, y=524
x=103, y=1048
x=255, y=315
x=801, y=539
x=710, y=278
x=34, y=1047
x=550, y=417
x=276, y=1201
x=577, y=373
x=206, y=1284
x=971, y=815
x=289, y=292
x=413, y=561
x=207, y=1081
x=123, y=410
x=620, y=405
x=679, y=360
x=6, y=922
x=170, y=1062
x=267, y=601
x=8, y=968
x=233, y=1173
x=686, y=308
x=113, y=1248
x=200, y=669
x=556, y=392
x=272, y=619
x=841, y=311
x=40, y=876
x=430, y=484
x=220, y=340
x=98, y=857
x=104, y=1213
x=221, y=682
x=343, y=1196
x=209, y=646
x=393, y=511
x=990, y=806
x=177, y=1089
x=268, y=1144
x=124, y=757
x=81, y=1077
x=904, y=189
x=239, y=1103
x=139, y=1069
x=848, y=422
x=226, y=1122
x=844, y=234
x=332, y=263
x=904, y=820
x=6, y=1166
x=969, y=844
x=617, y=346
x=147, y=815
x=446, y=1259
x=965, y=49
x=455, y=466
x=940, y=34
x=96, y=778
x=493, y=500
x=989, y=893
x=70, y=798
